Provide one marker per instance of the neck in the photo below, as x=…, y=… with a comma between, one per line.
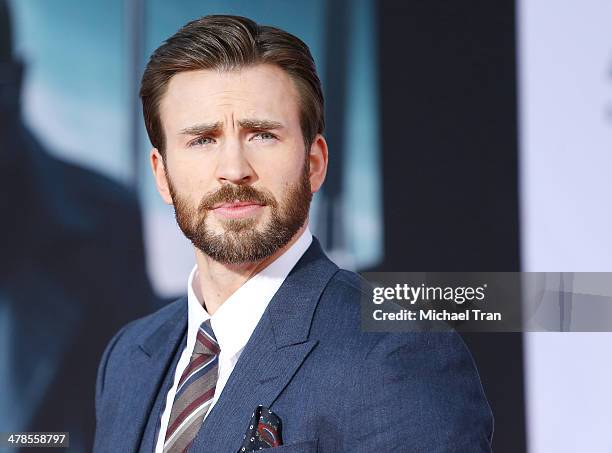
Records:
x=216, y=281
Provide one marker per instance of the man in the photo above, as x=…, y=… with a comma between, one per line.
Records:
x=266, y=350
x=72, y=272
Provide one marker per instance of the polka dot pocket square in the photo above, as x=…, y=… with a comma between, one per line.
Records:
x=264, y=431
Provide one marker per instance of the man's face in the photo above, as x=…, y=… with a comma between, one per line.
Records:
x=236, y=166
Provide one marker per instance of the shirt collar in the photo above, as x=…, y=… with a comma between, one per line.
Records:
x=236, y=319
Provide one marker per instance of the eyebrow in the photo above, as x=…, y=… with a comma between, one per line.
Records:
x=259, y=124
x=202, y=129
x=217, y=127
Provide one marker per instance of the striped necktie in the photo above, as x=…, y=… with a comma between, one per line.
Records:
x=194, y=393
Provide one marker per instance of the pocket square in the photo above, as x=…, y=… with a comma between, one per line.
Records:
x=264, y=431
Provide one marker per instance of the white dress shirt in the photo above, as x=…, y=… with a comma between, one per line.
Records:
x=233, y=322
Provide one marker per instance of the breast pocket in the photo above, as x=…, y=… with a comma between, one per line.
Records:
x=309, y=446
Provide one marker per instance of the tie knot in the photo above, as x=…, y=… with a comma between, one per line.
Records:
x=206, y=342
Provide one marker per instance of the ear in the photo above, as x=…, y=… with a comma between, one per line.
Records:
x=159, y=173
x=318, y=163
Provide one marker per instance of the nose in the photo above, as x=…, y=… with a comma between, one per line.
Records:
x=233, y=166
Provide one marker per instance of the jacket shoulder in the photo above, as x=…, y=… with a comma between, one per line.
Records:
x=339, y=316
x=137, y=331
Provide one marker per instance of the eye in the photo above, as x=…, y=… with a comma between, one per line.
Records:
x=201, y=141
x=264, y=136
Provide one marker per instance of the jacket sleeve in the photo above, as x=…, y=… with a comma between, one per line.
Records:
x=419, y=392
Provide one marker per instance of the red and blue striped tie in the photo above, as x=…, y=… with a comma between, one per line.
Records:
x=194, y=393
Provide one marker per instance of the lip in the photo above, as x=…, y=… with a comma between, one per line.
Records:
x=236, y=204
x=237, y=209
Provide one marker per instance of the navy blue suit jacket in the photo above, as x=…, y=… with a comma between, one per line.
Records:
x=335, y=387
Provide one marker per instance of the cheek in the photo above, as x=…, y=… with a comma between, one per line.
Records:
x=190, y=182
x=281, y=168
x=278, y=179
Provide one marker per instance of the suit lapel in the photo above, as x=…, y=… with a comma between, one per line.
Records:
x=152, y=361
x=276, y=349
x=149, y=438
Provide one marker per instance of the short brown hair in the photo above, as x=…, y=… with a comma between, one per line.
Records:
x=230, y=43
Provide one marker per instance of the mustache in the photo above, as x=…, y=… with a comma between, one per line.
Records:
x=229, y=193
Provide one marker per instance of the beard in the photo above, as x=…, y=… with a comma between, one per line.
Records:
x=242, y=241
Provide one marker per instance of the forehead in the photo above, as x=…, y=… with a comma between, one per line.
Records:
x=261, y=91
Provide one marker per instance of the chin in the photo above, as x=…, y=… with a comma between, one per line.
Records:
x=226, y=226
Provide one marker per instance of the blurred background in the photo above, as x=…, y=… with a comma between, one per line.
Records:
x=464, y=136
